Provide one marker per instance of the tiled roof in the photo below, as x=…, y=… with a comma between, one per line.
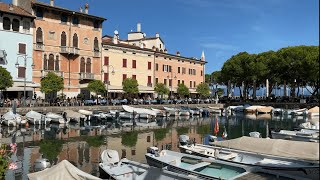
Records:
x=15, y=10
x=42, y=4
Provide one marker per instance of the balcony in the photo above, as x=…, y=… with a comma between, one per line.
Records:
x=88, y=76
x=74, y=50
x=149, y=84
x=64, y=50
x=44, y=73
x=39, y=46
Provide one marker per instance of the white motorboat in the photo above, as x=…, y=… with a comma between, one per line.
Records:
x=161, y=113
x=310, y=125
x=111, y=167
x=56, y=118
x=253, y=109
x=277, y=111
x=265, y=110
x=10, y=119
x=130, y=109
x=37, y=118
x=280, y=164
x=302, y=135
x=180, y=111
x=85, y=112
x=172, y=111
x=74, y=116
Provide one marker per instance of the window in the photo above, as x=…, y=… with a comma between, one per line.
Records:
x=157, y=80
x=39, y=38
x=190, y=84
x=15, y=25
x=51, y=62
x=64, y=19
x=57, y=63
x=88, y=66
x=106, y=77
x=63, y=39
x=148, y=138
x=194, y=84
x=134, y=64
x=75, y=40
x=133, y=152
x=178, y=82
x=123, y=154
x=21, y=72
x=166, y=68
x=39, y=13
x=134, y=77
x=179, y=70
x=26, y=26
x=183, y=70
x=157, y=66
x=45, y=62
x=6, y=23
x=182, y=81
x=170, y=82
x=124, y=77
x=170, y=68
x=22, y=48
x=165, y=81
x=106, y=61
x=149, y=65
x=96, y=24
x=85, y=40
x=96, y=44
x=194, y=72
x=201, y=72
x=75, y=21
x=82, y=65
x=149, y=79
x=124, y=63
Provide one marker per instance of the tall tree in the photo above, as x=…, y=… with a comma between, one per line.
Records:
x=5, y=80
x=183, y=90
x=161, y=89
x=97, y=87
x=130, y=86
x=52, y=83
x=203, y=89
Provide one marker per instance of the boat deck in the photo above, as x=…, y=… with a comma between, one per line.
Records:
x=260, y=176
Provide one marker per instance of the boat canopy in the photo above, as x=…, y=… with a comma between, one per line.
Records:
x=63, y=170
x=314, y=109
x=277, y=147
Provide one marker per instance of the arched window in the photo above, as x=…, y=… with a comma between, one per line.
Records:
x=96, y=44
x=63, y=39
x=82, y=65
x=39, y=38
x=57, y=63
x=45, y=62
x=51, y=62
x=88, y=66
x=6, y=23
x=15, y=25
x=75, y=40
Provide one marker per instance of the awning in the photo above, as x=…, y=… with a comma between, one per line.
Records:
x=19, y=89
x=19, y=86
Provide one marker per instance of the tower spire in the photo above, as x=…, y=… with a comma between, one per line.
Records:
x=203, y=57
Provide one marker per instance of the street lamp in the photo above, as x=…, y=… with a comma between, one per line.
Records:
x=25, y=74
x=109, y=81
x=175, y=77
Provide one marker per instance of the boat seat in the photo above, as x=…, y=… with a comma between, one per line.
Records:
x=196, y=166
x=228, y=156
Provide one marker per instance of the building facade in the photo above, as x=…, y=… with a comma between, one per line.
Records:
x=16, y=48
x=147, y=60
x=67, y=43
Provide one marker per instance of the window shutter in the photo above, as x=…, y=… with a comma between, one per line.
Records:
x=21, y=72
x=149, y=65
x=39, y=38
x=63, y=39
x=134, y=77
x=134, y=64
x=75, y=40
x=88, y=66
x=15, y=25
x=124, y=76
x=22, y=48
x=149, y=79
x=124, y=62
x=157, y=67
x=163, y=68
x=169, y=68
x=57, y=63
x=82, y=65
x=96, y=44
x=51, y=62
x=106, y=77
x=106, y=60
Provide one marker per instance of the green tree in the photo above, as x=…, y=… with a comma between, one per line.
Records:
x=183, y=90
x=97, y=87
x=5, y=79
x=161, y=89
x=51, y=83
x=130, y=86
x=203, y=89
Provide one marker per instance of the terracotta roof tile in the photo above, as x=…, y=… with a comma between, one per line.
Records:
x=15, y=10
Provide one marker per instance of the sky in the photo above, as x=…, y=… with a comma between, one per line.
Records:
x=220, y=28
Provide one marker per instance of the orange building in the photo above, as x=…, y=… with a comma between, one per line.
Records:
x=67, y=43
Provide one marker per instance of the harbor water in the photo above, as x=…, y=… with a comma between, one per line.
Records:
x=82, y=144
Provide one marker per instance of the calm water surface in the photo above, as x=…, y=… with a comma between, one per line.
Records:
x=82, y=144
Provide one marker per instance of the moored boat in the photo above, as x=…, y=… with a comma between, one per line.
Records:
x=73, y=116
x=302, y=135
x=130, y=109
x=314, y=112
x=10, y=119
x=56, y=118
x=264, y=110
x=37, y=118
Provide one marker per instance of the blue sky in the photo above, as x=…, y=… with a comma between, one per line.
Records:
x=221, y=28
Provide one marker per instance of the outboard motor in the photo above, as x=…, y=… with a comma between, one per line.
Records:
x=184, y=140
x=154, y=151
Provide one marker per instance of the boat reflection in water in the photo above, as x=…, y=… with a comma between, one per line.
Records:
x=82, y=144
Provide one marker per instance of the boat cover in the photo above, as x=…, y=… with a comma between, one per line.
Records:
x=266, y=109
x=277, y=147
x=64, y=170
x=110, y=156
x=10, y=116
x=34, y=115
x=139, y=110
x=73, y=114
x=314, y=109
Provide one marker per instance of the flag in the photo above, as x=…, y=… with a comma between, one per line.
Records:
x=216, y=127
x=224, y=134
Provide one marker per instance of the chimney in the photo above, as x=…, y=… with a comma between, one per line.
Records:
x=178, y=53
x=139, y=27
x=15, y=2
x=11, y=7
x=51, y=2
x=141, y=44
x=153, y=48
x=115, y=37
x=86, y=8
x=81, y=9
x=157, y=35
x=165, y=51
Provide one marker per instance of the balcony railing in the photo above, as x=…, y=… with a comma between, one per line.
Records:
x=74, y=50
x=39, y=46
x=44, y=73
x=149, y=84
x=64, y=50
x=86, y=76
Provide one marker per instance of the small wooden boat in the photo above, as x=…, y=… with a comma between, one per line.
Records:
x=302, y=135
x=56, y=118
x=113, y=168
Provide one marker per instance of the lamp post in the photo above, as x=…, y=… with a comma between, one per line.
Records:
x=25, y=74
x=175, y=77
x=109, y=81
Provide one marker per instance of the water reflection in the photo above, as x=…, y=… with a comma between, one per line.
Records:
x=82, y=144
